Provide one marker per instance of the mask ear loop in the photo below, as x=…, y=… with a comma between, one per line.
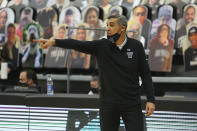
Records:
x=123, y=27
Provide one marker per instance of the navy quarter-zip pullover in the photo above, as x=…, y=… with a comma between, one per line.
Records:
x=119, y=70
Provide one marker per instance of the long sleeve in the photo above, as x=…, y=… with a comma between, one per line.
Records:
x=89, y=47
x=145, y=75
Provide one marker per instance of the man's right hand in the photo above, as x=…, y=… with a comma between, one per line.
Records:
x=45, y=43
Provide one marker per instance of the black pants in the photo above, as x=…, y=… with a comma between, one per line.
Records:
x=110, y=117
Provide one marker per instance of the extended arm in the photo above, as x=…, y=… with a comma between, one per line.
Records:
x=89, y=47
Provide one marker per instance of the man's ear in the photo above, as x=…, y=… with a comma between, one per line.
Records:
x=123, y=28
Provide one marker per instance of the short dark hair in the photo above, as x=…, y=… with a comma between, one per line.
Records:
x=11, y=25
x=122, y=20
x=69, y=12
x=30, y=74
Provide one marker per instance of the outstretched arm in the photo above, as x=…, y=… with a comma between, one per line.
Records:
x=89, y=47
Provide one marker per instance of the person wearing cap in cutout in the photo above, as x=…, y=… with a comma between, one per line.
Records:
x=191, y=52
x=69, y=20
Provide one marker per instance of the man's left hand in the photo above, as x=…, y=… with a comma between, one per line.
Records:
x=150, y=108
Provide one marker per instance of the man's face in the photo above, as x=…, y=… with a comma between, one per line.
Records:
x=81, y=34
x=193, y=40
x=140, y=15
x=3, y=18
x=189, y=15
x=69, y=19
x=113, y=27
x=11, y=35
x=92, y=18
x=23, y=78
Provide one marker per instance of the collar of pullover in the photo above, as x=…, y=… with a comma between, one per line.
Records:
x=122, y=45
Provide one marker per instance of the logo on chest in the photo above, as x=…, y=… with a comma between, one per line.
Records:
x=129, y=53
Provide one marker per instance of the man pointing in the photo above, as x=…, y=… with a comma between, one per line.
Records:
x=121, y=62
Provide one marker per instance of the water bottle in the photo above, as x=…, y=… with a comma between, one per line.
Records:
x=50, y=87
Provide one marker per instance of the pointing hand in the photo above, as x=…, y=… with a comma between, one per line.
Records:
x=45, y=43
